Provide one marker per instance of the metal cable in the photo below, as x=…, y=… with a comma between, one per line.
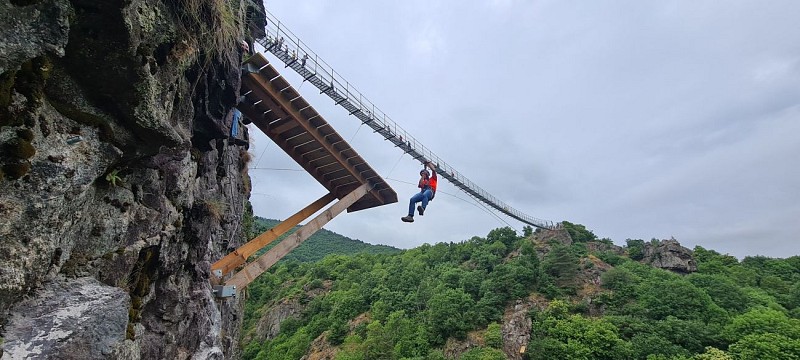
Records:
x=473, y=203
x=296, y=55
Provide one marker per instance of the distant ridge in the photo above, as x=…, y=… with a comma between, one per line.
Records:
x=321, y=244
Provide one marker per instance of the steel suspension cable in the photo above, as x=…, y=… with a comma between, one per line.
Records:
x=295, y=54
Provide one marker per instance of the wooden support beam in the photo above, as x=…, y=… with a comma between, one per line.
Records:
x=240, y=255
x=250, y=272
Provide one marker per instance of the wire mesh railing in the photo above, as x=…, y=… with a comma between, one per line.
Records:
x=298, y=56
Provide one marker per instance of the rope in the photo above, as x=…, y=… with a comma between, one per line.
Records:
x=260, y=156
x=497, y=216
x=356, y=133
x=262, y=194
x=395, y=165
x=276, y=169
x=343, y=91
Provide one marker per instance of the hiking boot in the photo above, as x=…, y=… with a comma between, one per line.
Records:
x=421, y=210
x=407, y=218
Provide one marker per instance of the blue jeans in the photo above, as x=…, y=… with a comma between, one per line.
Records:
x=235, y=126
x=423, y=196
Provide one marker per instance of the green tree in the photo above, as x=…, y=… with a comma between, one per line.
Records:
x=420, y=297
x=563, y=336
x=679, y=298
x=337, y=332
x=498, y=249
x=692, y=335
x=378, y=344
x=449, y=314
x=578, y=232
x=494, y=336
x=352, y=349
x=722, y=290
x=761, y=321
x=561, y=265
x=485, y=259
x=294, y=347
x=713, y=353
x=623, y=282
x=527, y=231
x=506, y=235
x=712, y=262
x=435, y=354
x=635, y=249
x=483, y=354
x=406, y=336
x=766, y=347
x=646, y=344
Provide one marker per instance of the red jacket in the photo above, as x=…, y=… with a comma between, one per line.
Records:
x=432, y=182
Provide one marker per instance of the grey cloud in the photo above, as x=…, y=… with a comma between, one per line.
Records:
x=637, y=119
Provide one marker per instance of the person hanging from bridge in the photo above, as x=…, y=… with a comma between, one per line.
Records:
x=427, y=185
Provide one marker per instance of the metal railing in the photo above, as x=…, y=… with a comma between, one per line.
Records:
x=296, y=55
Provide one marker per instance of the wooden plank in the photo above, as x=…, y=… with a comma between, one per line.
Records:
x=240, y=255
x=271, y=90
x=283, y=128
x=285, y=146
x=285, y=105
x=244, y=277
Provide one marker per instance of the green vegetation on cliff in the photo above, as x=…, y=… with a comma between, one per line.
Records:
x=584, y=300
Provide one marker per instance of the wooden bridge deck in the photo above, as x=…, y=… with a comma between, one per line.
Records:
x=292, y=123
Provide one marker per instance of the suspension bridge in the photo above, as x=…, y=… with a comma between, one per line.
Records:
x=296, y=55
x=278, y=109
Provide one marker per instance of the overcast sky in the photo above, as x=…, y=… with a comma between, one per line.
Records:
x=638, y=119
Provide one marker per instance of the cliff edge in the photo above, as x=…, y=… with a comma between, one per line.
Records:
x=119, y=181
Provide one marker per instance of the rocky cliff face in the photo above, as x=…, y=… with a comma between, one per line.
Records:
x=118, y=182
x=517, y=328
x=269, y=325
x=669, y=255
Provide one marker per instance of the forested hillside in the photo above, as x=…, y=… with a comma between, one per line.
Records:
x=544, y=295
x=319, y=245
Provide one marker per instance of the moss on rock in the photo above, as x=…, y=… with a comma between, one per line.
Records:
x=20, y=148
x=25, y=134
x=106, y=133
x=6, y=89
x=17, y=170
x=29, y=81
x=140, y=279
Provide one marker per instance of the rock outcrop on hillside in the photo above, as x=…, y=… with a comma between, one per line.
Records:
x=669, y=255
x=270, y=322
x=546, y=236
x=517, y=328
x=118, y=183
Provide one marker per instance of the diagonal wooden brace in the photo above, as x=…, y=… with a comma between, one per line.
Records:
x=250, y=272
x=239, y=256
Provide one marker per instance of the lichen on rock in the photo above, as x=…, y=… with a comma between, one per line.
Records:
x=669, y=255
x=80, y=317
x=119, y=88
